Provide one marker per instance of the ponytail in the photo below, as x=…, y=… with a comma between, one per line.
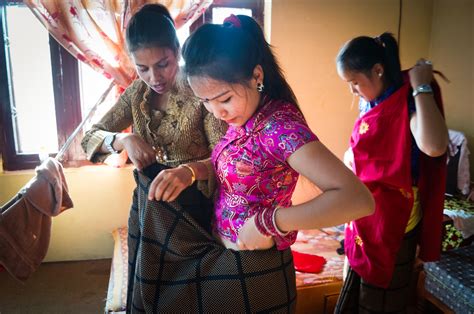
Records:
x=362, y=53
x=392, y=60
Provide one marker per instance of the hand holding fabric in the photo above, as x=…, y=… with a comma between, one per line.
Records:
x=168, y=184
x=421, y=73
x=140, y=153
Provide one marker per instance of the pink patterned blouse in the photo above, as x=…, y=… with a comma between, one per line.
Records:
x=252, y=169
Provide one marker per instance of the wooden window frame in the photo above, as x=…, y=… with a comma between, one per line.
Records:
x=67, y=100
x=66, y=85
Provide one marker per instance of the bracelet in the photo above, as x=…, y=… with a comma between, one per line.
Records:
x=423, y=88
x=193, y=174
x=261, y=225
x=280, y=233
x=266, y=224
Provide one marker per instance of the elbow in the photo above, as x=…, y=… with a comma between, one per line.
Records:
x=436, y=149
x=364, y=202
x=436, y=145
x=367, y=204
x=435, y=152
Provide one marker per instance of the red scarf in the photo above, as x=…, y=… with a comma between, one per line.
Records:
x=381, y=142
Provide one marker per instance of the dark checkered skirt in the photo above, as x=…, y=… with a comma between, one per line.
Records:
x=175, y=265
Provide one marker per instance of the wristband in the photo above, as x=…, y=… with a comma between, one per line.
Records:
x=423, y=88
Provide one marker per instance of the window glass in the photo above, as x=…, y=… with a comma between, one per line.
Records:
x=32, y=93
x=93, y=85
x=220, y=13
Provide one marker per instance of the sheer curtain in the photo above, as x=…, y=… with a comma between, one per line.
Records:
x=94, y=30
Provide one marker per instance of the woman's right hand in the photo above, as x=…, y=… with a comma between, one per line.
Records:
x=421, y=73
x=140, y=152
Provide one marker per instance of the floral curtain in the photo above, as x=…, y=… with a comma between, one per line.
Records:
x=94, y=30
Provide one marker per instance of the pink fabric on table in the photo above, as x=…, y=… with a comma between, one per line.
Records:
x=252, y=169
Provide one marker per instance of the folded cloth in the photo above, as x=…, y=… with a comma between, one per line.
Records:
x=25, y=221
x=308, y=263
x=462, y=213
x=457, y=140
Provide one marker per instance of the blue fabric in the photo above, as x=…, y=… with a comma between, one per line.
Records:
x=451, y=279
x=366, y=106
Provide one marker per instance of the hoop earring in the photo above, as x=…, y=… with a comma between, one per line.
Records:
x=260, y=87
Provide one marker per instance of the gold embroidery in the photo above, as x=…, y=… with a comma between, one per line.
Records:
x=363, y=128
x=405, y=194
x=358, y=240
x=184, y=132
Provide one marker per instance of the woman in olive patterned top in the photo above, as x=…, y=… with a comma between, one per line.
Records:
x=169, y=124
x=170, y=127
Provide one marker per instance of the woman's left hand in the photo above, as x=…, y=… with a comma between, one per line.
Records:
x=421, y=73
x=168, y=184
x=251, y=239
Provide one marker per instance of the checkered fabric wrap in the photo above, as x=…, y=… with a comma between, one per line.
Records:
x=175, y=265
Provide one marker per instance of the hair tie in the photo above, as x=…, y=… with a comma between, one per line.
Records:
x=232, y=20
x=379, y=41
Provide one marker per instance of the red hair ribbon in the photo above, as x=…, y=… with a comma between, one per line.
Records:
x=233, y=20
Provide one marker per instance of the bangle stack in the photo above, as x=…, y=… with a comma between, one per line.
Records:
x=266, y=224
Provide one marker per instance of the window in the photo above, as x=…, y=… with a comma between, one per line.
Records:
x=220, y=9
x=41, y=87
x=38, y=89
x=45, y=91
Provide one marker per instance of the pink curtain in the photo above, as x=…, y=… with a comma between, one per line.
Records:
x=94, y=30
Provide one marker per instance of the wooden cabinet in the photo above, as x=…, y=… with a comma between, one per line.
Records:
x=319, y=298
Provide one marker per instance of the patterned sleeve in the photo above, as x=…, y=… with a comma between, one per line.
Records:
x=214, y=130
x=117, y=119
x=285, y=132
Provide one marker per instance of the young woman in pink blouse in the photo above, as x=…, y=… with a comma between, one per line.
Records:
x=232, y=70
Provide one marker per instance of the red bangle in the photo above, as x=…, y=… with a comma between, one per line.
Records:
x=266, y=224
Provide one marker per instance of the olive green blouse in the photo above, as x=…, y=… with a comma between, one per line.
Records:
x=183, y=133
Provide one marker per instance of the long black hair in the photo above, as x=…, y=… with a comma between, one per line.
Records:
x=362, y=53
x=231, y=51
x=152, y=26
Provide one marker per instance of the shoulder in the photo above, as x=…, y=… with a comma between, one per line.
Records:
x=135, y=90
x=136, y=86
x=284, y=129
x=280, y=114
x=183, y=94
x=182, y=86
